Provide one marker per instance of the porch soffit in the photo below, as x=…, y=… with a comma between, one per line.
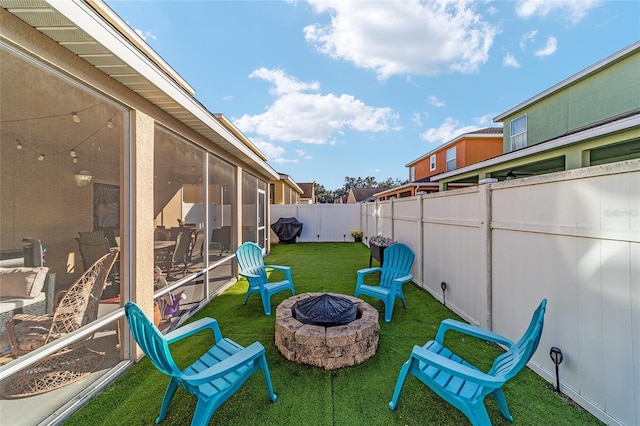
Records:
x=41, y=15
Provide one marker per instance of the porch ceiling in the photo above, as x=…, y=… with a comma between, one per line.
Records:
x=150, y=77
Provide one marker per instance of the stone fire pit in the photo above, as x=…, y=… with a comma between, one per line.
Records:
x=327, y=347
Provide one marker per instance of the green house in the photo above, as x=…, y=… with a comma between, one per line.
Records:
x=591, y=118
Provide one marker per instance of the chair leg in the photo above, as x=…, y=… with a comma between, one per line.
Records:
x=399, y=384
x=477, y=414
x=502, y=403
x=388, y=308
x=266, y=304
x=204, y=411
x=168, y=396
x=267, y=378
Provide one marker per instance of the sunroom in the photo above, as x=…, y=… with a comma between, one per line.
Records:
x=106, y=154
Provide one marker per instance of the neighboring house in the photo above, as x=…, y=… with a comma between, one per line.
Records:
x=591, y=118
x=308, y=193
x=362, y=195
x=285, y=191
x=466, y=149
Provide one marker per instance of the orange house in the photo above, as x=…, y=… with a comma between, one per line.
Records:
x=468, y=148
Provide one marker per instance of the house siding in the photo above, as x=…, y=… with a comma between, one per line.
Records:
x=608, y=93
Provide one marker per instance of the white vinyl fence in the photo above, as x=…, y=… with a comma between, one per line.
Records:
x=571, y=237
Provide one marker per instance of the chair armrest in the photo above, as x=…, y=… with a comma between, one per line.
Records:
x=249, y=275
x=227, y=365
x=454, y=368
x=193, y=328
x=405, y=279
x=471, y=330
x=366, y=271
x=278, y=267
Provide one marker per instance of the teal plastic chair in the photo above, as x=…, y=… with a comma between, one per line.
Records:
x=252, y=267
x=213, y=378
x=398, y=259
x=460, y=383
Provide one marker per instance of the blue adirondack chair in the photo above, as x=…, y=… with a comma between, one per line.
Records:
x=213, y=378
x=460, y=383
x=252, y=267
x=398, y=259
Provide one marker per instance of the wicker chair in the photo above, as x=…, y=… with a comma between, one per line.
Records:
x=77, y=307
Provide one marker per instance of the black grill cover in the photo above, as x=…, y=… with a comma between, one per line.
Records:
x=326, y=310
x=287, y=229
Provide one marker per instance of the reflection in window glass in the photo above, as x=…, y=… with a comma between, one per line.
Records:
x=222, y=211
x=178, y=200
x=249, y=208
x=60, y=190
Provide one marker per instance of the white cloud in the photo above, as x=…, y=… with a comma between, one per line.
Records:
x=403, y=37
x=485, y=120
x=548, y=49
x=227, y=98
x=146, y=35
x=527, y=37
x=303, y=154
x=447, y=131
x=510, y=61
x=282, y=83
x=433, y=100
x=416, y=119
x=272, y=152
x=572, y=10
x=311, y=117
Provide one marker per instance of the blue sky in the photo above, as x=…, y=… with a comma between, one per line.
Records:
x=336, y=88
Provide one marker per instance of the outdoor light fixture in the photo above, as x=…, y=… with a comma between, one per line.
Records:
x=110, y=124
x=83, y=178
x=41, y=157
x=443, y=286
x=75, y=117
x=556, y=357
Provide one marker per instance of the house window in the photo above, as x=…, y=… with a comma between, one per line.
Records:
x=432, y=162
x=519, y=133
x=412, y=174
x=451, y=159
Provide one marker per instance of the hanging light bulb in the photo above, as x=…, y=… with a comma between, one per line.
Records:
x=75, y=116
x=72, y=153
x=41, y=157
x=110, y=124
x=75, y=160
x=18, y=144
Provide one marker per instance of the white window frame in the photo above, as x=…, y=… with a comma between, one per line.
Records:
x=450, y=159
x=432, y=162
x=412, y=173
x=518, y=133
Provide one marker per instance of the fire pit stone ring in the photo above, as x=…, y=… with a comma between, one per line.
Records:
x=330, y=347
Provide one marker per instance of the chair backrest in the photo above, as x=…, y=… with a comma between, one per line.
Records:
x=249, y=257
x=398, y=259
x=198, y=246
x=92, y=245
x=511, y=362
x=150, y=340
x=79, y=305
x=182, y=248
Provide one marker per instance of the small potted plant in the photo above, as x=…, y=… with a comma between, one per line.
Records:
x=357, y=236
x=377, y=244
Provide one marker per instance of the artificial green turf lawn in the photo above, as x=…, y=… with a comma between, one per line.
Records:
x=309, y=396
